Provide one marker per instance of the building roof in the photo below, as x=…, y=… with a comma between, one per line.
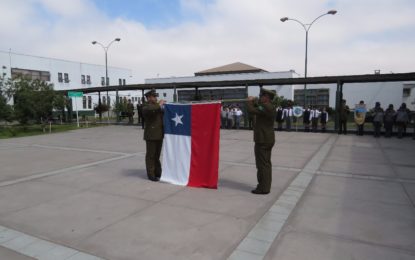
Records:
x=236, y=67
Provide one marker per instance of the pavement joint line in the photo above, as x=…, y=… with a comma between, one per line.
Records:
x=38, y=248
x=283, y=209
x=273, y=167
x=72, y=168
x=365, y=177
x=76, y=149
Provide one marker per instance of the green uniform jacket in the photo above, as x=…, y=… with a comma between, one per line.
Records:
x=153, y=118
x=264, y=124
x=344, y=112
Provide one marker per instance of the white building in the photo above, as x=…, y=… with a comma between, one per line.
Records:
x=234, y=71
x=384, y=92
x=64, y=74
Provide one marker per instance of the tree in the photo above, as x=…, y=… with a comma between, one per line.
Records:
x=6, y=111
x=280, y=101
x=59, y=104
x=33, y=99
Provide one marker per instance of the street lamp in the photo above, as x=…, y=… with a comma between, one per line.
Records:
x=306, y=29
x=106, y=73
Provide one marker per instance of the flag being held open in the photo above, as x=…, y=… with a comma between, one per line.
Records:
x=191, y=144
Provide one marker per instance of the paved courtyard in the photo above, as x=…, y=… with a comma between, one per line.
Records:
x=84, y=195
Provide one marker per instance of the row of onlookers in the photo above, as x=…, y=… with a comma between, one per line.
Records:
x=314, y=120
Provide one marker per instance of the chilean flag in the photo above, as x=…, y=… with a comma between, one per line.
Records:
x=191, y=144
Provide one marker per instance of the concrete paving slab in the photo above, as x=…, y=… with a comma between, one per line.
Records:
x=356, y=154
x=137, y=186
x=357, y=189
x=109, y=209
x=243, y=177
x=29, y=194
x=278, y=159
x=236, y=203
x=358, y=168
x=365, y=141
x=121, y=138
x=84, y=178
x=39, y=160
x=169, y=232
x=410, y=189
x=405, y=172
x=100, y=174
x=8, y=254
x=314, y=246
x=372, y=222
x=401, y=157
x=70, y=219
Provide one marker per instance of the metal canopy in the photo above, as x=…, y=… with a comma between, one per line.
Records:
x=257, y=82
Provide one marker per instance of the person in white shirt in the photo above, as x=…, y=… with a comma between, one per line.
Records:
x=279, y=118
x=288, y=113
x=229, y=119
x=223, y=116
x=314, y=114
x=238, y=116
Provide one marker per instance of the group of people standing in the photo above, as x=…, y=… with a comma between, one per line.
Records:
x=231, y=117
x=378, y=116
x=388, y=118
x=312, y=118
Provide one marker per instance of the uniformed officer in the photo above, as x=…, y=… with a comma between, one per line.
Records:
x=153, y=134
x=264, y=138
x=130, y=111
x=344, y=114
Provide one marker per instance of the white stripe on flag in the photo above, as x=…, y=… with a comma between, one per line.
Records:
x=176, y=159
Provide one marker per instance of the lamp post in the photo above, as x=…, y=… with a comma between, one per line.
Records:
x=306, y=29
x=106, y=73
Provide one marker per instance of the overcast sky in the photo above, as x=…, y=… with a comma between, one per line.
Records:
x=163, y=38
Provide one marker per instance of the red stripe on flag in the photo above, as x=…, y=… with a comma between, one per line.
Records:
x=204, y=161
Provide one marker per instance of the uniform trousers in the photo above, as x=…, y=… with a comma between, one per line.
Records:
x=343, y=127
x=153, y=165
x=263, y=165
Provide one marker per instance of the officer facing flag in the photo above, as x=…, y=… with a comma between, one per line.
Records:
x=264, y=137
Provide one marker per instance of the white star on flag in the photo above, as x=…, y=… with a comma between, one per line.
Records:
x=177, y=119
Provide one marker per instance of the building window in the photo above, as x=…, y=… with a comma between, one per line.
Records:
x=88, y=79
x=84, y=102
x=31, y=74
x=89, y=102
x=66, y=77
x=102, y=81
x=164, y=94
x=83, y=79
x=109, y=101
x=60, y=77
x=406, y=92
x=315, y=97
x=120, y=82
x=123, y=81
x=104, y=99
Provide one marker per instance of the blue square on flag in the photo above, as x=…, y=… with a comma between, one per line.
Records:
x=177, y=119
x=191, y=144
